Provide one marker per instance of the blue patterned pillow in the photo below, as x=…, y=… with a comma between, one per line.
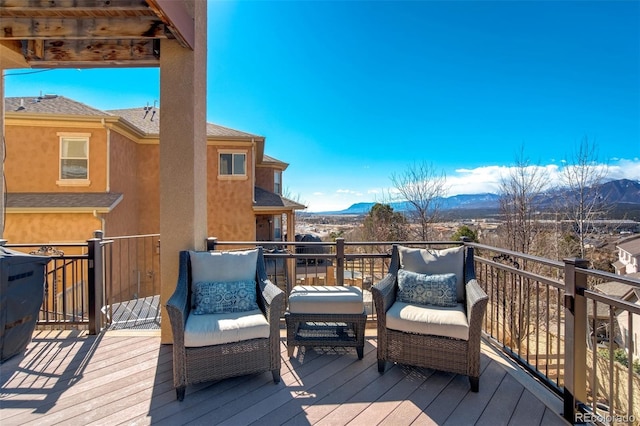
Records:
x=423, y=289
x=224, y=297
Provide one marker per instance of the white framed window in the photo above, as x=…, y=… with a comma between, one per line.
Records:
x=74, y=159
x=233, y=164
x=277, y=182
x=277, y=228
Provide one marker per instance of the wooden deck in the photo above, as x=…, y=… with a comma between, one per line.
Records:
x=126, y=378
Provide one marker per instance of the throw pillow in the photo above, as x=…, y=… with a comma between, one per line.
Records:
x=222, y=266
x=429, y=261
x=423, y=289
x=224, y=297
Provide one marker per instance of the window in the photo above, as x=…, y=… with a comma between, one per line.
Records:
x=277, y=182
x=74, y=158
x=277, y=228
x=233, y=164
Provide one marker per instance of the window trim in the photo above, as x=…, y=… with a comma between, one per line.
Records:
x=86, y=138
x=277, y=226
x=277, y=183
x=232, y=176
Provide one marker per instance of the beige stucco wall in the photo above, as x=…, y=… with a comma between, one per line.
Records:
x=264, y=177
x=50, y=227
x=35, y=166
x=230, y=201
x=123, y=175
x=134, y=170
x=148, y=188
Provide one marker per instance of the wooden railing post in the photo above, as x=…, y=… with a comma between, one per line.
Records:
x=211, y=243
x=340, y=261
x=95, y=282
x=575, y=335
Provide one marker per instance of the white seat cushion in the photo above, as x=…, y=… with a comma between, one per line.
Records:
x=433, y=320
x=318, y=299
x=217, y=329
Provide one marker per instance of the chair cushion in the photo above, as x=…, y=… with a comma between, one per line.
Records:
x=222, y=266
x=218, y=329
x=428, y=261
x=318, y=299
x=424, y=289
x=432, y=320
x=224, y=297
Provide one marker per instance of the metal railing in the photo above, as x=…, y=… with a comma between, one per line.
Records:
x=551, y=317
x=72, y=293
x=132, y=281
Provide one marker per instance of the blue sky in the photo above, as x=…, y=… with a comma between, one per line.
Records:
x=350, y=92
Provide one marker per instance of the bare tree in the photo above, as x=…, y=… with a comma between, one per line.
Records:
x=423, y=187
x=520, y=193
x=582, y=177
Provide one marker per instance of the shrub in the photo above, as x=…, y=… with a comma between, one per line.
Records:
x=620, y=356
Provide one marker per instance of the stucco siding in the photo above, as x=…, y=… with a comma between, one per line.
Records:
x=229, y=201
x=50, y=227
x=123, y=220
x=33, y=159
x=264, y=177
x=148, y=160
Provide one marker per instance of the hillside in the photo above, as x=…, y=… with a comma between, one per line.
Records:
x=622, y=195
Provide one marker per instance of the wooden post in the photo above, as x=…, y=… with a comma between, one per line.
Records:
x=95, y=282
x=211, y=243
x=340, y=261
x=575, y=334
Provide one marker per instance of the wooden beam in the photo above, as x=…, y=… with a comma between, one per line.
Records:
x=121, y=28
x=180, y=22
x=75, y=6
x=11, y=55
x=92, y=52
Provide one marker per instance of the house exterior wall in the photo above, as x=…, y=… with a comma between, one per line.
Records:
x=121, y=162
x=123, y=176
x=35, y=166
x=148, y=188
x=623, y=323
x=50, y=227
x=230, y=200
x=264, y=177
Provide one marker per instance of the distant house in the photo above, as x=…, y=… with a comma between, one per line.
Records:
x=71, y=169
x=622, y=328
x=628, y=256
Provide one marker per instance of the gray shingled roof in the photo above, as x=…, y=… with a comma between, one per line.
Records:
x=631, y=246
x=266, y=198
x=268, y=159
x=148, y=121
x=64, y=200
x=49, y=104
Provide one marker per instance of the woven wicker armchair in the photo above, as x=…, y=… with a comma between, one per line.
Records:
x=456, y=355
x=207, y=363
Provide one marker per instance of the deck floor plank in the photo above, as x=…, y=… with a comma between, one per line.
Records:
x=529, y=411
x=473, y=404
x=116, y=379
x=502, y=405
x=302, y=401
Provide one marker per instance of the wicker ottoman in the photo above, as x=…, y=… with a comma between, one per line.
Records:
x=325, y=316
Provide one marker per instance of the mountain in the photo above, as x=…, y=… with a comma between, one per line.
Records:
x=624, y=194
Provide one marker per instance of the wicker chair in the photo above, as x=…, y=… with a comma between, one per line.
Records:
x=456, y=355
x=207, y=363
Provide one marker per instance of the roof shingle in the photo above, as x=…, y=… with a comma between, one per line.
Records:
x=63, y=200
x=49, y=104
